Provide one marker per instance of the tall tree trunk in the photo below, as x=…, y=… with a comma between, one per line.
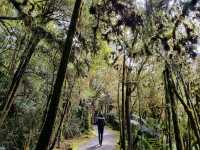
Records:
x=26, y=56
x=190, y=114
x=123, y=146
x=63, y=115
x=47, y=129
x=127, y=106
x=188, y=144
x=168, y=113
x=191, y=105
x=119, y=111
x=193, y=122
x=179, y=141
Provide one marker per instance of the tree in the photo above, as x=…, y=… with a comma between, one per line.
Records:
x=47, y=128
x=171, y=96
x=38, y=33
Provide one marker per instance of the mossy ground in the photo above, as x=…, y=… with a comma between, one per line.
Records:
x=75, y=142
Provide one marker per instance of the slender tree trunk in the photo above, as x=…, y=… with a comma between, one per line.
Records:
x=47, y=129
x=172, y=87
x=65, y=111
x=168, y=113
x=189, y=136
x=123, y=146
x=127, y=106
x=119, y=111
x=31, y=46
x=197, y=107
x=190, y=115
x=179, y=141
x=191, y=105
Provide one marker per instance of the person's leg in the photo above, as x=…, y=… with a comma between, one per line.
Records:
x=102, y=135
x=100, y=138
x=99, y=134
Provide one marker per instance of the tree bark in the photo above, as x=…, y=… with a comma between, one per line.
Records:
x=119, y=111
x=191, y=117
x=127, y=106
x=189, y=114
x=123, y=142
x=47, y=129
x=59, y=130
x=179, y=141
x=191, y=105
x=168, y=113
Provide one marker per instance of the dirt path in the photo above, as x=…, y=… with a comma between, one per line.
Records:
x=109, y=142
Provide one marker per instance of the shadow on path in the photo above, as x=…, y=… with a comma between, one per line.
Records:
x=103, y=147
x=94, y=147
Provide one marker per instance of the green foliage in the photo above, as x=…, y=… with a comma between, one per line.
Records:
x=113, y=120
x=118, y=24
x=19, y=127
x=88, y=93
x=71, y=129
x=3, y=80
x=101, y=59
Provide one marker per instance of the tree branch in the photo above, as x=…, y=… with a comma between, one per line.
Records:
x=10, y=18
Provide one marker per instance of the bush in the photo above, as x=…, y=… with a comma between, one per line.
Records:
x=113, y=120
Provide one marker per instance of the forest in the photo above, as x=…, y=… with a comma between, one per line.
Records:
x=135, y=63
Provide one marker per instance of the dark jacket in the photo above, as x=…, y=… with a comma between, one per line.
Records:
x=100, y=122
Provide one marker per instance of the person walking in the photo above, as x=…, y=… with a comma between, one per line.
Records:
x=100, y=125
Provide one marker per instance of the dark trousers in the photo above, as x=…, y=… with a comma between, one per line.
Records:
x=100, y=132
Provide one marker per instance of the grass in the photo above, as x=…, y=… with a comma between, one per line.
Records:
x=76, y=141
x=82, y=139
